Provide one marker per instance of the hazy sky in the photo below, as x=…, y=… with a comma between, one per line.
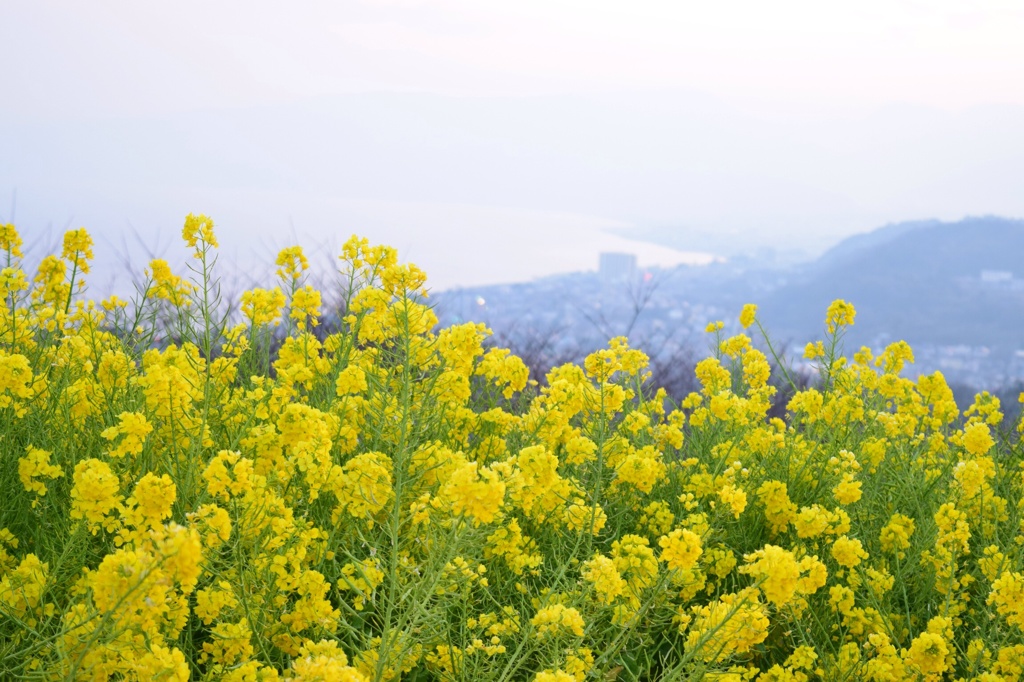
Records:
x=103, y=56
x=515, y=121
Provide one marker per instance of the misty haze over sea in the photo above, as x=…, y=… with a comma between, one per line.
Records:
x=501, y=189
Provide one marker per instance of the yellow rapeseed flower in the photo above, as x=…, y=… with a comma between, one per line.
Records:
x=777, y=573
x=735, y=498
x=476, y=492
x=635, y=560
x=21, y=590
x=895, y=535
x=10, y=240
x=680, y=549
x=733, y=624
x=1007, y=596
x=134, y=427
x=292, y=263
x=33, y=468
x=977, y=439
x=198, y=228
x=95, y=495
x=927, y=655
x=553, y=676
x=601, y=572
x=151, y=501
x=365, y=485
x=839, y=314
x=263, y=306
x=558, y=619
x=78, y=248
x=848, y=552
x=848, y=490
x=306, y=306
x=747, y=315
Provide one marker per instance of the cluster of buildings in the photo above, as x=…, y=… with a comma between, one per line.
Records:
x=665, y=312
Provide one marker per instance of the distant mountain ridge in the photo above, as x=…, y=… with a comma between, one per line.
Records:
x=858, y=243
x=926, y=282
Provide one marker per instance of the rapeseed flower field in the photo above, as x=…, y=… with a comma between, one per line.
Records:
x=195, y=491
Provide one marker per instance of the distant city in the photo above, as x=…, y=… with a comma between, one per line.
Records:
x=949, y=289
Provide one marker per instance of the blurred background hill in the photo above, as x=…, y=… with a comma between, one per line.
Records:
x=926, y=283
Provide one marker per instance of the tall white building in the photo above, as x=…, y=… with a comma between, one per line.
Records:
x=617, y=266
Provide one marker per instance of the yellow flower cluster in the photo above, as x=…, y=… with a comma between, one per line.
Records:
x=307, y=485
x=557, y=619
x=95, y=495
x=34, y=467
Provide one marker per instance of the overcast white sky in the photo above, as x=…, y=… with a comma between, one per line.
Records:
x=892, y=110
x=130, y=56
